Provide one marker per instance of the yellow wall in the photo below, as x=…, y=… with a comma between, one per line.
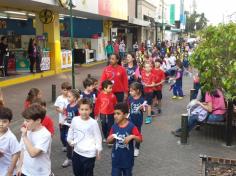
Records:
x=106, y=28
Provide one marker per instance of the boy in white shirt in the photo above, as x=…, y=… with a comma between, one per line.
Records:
x=9, y=146
x=85, y=136
x=61, y=104
x=36, y=144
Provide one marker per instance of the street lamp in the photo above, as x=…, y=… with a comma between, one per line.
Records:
x=162, y=32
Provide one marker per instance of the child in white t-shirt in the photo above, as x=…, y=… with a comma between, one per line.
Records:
x=85, y=136
x=61, y=105
x=9, y=146
x=36, y=144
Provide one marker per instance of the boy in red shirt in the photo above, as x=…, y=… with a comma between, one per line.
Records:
x=104, y=107
x=148, y=82
x=159, y=75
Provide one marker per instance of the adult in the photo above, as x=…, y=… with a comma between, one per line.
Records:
x=117, y=74
x=116, y=47
x=4, y=54
x=32, y=53
x=215, y=106
x=109, y=49
x=135, y=47
x=38, y=56
x=122, y=49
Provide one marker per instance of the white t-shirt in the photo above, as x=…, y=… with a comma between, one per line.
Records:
x=41, y=164
x=9, y=146
x=62, y=103
x=122, y=47
x=86, y=136
x=172, y=60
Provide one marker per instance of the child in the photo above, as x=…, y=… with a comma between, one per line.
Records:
x=122, y=134
x=36, y=143
x=95, y=86
x=32, y=95
x=105, y=107
x=177, y=88
x=61, y=104
x=9, y=146
x=136, y=103
x=159, y=80
x=132, y=69
x=148, y=83
x=85, y=137
x=47, y=121
x=70, y=113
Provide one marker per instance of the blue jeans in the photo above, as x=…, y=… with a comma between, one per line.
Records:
x=121, y=171
x=177, y=90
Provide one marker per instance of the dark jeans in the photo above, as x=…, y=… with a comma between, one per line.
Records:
x=63, y=134
x=4, y=62
x=119, y=96
x=121, y=171
x=32, y=62
x=107, y=121
x=177, y=90
x=82, y=166
x=38, y=62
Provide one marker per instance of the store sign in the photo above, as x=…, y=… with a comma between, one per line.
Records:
x=46, y=16
x=3, y=24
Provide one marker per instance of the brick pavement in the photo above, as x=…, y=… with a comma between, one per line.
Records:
x=160, y=154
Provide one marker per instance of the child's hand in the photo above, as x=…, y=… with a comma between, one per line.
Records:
x=1, y=153
x=98, y=156
x=128, y=139
x=23, y=131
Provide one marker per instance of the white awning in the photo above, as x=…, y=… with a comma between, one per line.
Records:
x=139, y=22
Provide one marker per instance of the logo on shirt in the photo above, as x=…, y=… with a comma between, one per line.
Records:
x=120, y=141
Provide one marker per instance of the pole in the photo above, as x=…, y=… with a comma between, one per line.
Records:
x=184, y=129
x=53, y=93
x=162, y=32
x=229, y=127
x=71, y=45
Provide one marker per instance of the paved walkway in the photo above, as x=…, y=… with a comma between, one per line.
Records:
x=160, y=154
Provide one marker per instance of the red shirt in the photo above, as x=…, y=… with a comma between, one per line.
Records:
x=119, y=77
x=148, y=79
x=48, y=123
x=159, y=76
x=105, y=103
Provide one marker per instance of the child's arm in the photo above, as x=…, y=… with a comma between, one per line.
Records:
x=98, y=140
x=20, y=162
x=136, y=135
x=110, y=138
x=59, y=110
x=11, y=168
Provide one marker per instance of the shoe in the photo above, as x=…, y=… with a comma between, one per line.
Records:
x=64, y=149
x=180, y=98
x=153, y=113
x=174, y=97
x=104, y=141
x=66, y=163
x=109, y=145
x=176, y=133
x=148, y=120
x=136, y=152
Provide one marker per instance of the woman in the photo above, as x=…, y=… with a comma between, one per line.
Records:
x=214, y=104
x=32, y=53
x=117, y=74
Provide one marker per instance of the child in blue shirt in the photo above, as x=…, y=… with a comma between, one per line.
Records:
x=177, y=87
x=123, y=133
x=136, y=104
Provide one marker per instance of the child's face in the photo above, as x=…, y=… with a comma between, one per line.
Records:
x=133, y=92
x=39, y=95
x=95, y=85
x=84, y=111
x=64, y=92
x=119, y=116
x=31, y=124
x=71, y=98
x=130, y=59
x=90, y=88
x=4, y=124
x=108, y=89
x=148, y=68
x=113, y=60
x=157, y=64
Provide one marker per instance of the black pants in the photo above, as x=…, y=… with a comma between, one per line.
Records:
x=107, y=121
x=119, y=96
x=82, y=166
x=38, y=62
x=4, y=62
x=32, y=62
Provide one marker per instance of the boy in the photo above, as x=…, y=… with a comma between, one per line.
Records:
x=123, y=133
x=35, y=142
x=61, y=104
x=104, y=107
x=9, y=146
x=148, y=83
x=159, y=80
x=85, y=136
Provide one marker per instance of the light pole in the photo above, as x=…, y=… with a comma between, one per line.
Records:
x=162, y=32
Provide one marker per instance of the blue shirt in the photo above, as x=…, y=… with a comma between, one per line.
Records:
x=71, y=112
x=180, y=79
x=123, y=154
x=130, y=74
x=89, y=96
x=136, y=115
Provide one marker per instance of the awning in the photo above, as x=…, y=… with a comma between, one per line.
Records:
x=139, y=22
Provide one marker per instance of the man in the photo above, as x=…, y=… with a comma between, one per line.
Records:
x=4, y=54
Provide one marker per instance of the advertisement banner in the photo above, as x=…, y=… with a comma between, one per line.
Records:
x=172, y=14
x=45, y=62
x=66, y=59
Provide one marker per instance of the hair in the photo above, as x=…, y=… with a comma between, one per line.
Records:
x=3, y=38
x=106, y=83
x=123, y=107
x=158, y=60
x=34, y=112
x=85, y=101
x=133, y=56
x=5, y=113
x=75, y=93
x=40, y=101
x=32, y=94
x=214, y=93
x=136, y=86
x=66, y=85
x=117, y=58
x=179, y=63
x=87, y=82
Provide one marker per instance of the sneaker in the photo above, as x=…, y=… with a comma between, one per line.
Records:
x=136, y=152
x=64, y=149
x=176, y=133
x=148, y=120
x=152, y=113
x=109, y=145
x=66, y=163
x=180, y=98
x=104, y=141
x=174, y=97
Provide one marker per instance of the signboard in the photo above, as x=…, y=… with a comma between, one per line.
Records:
x=66, y=59
x=45, y=62
x=172, y=14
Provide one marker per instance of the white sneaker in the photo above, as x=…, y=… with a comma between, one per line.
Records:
x=66, y=163
x=136, y=152
x=64, y=149
x=104, y=141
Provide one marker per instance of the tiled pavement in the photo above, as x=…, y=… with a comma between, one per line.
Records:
x=160, y=154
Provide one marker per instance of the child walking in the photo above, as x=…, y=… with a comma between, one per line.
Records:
x=33, y=94
x=9, y=146
x=136, y=104
x=148, y=82
x=85, y=137
x=104, y=107
x=123, y=133
x=132, y=68
x=177, y=87
x=61, y=104
x=70, y=113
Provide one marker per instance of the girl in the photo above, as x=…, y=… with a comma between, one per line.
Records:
x=33, y=94
x=136, y=104
x=117, y=74
x=70, y=112
x=132, y=69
